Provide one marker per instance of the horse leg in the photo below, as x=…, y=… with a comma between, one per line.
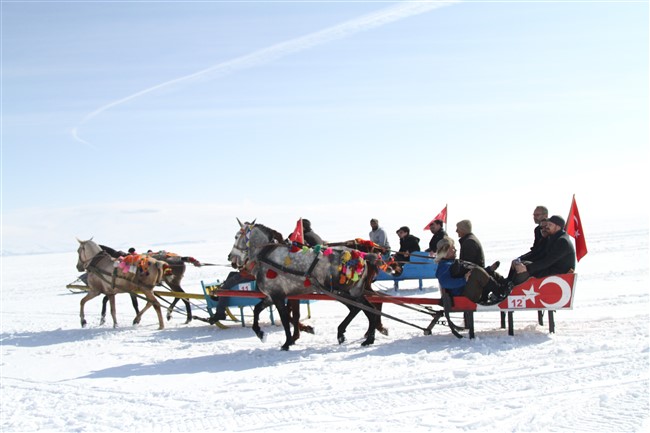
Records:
x=380, y=326
x=134, y=302
x=171, y=308
x=156, y=305
x=281, y=306
x=372, y=323
x=344, y=324
x=102, y=319
x=293, y=312
x=151, y=301
x=188, y=308
x=259, y=307
x=85, y=299
x=138, y=315
x=113, y=311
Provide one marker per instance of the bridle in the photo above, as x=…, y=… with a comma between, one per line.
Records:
x=245, y=252
x=85, y=261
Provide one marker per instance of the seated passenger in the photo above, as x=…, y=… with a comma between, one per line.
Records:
x=559, y=256
x=311, y=238
x=438, y=234
x=461, y=278
x=234, y=278
x=540, y=214
x=407, y=244
x=471, y=249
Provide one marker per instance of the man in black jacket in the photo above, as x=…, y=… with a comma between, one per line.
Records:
x=407, y=244
x=540, y=214
x=559, y=257
x=438, y=234
x=310, y=236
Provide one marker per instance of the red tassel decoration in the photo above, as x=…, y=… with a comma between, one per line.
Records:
x=270, y=274
x=307, y=283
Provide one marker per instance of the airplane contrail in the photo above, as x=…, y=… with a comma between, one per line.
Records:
x=366, y=22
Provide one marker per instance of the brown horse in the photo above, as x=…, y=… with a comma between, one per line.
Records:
x=104, y=277
x=173, y=275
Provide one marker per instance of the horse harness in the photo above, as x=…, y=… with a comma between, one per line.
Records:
x=94, y=269
x=339, y=295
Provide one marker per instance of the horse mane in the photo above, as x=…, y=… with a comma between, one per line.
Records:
x=275, y=235
x=372, y=261
x=112, y=252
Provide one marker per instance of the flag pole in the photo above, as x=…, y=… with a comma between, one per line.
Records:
x=573, y=200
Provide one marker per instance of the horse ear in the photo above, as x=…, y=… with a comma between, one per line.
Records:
x=253, y=223
x=78, y=240
x=240, y=224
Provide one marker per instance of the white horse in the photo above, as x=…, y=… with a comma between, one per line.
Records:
x=105, y=278
x=279, y=273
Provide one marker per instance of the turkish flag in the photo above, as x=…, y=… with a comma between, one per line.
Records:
x=574, y=228
x=441, y=216
x=298, y=235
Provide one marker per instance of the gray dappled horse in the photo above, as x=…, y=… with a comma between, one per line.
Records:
x=173, y=277
x=280, y=273
x=104, y=277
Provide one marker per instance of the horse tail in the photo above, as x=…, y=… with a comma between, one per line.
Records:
x=373, y=262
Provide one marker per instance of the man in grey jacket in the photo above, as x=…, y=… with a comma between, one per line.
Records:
x=378, y=235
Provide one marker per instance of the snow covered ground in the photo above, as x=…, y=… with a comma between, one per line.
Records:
x=592, y=375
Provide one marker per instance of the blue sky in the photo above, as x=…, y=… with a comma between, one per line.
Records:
x=487, y=105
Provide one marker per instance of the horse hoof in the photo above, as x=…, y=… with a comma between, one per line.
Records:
x=169, y=317
x=383, y=331
x=83, y=323
x=307, y=329
x=341, y=339
x=285, y=348
x=367, y=343
x=101, y=322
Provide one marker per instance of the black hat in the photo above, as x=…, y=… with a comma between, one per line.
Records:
x=131, y=250
x=306, y=224
x=404, y=229
x=556, y=219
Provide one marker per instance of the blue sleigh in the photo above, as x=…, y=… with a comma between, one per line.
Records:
x=420, y=267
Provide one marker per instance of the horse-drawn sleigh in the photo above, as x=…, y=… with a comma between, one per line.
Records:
x=281, y=272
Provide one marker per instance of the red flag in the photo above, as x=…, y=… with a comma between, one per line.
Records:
x=298, y=235
x=574, y=228
x=441, y=216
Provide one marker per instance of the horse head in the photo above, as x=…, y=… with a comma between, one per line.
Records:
x=241, y=248
x=87, y=250
x=248, y=239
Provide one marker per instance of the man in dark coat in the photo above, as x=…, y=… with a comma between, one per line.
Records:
x=407, y=244
x=311, y=238
x=471, y=249
x=438, y=234
x=559, y=256
x=540, y=214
